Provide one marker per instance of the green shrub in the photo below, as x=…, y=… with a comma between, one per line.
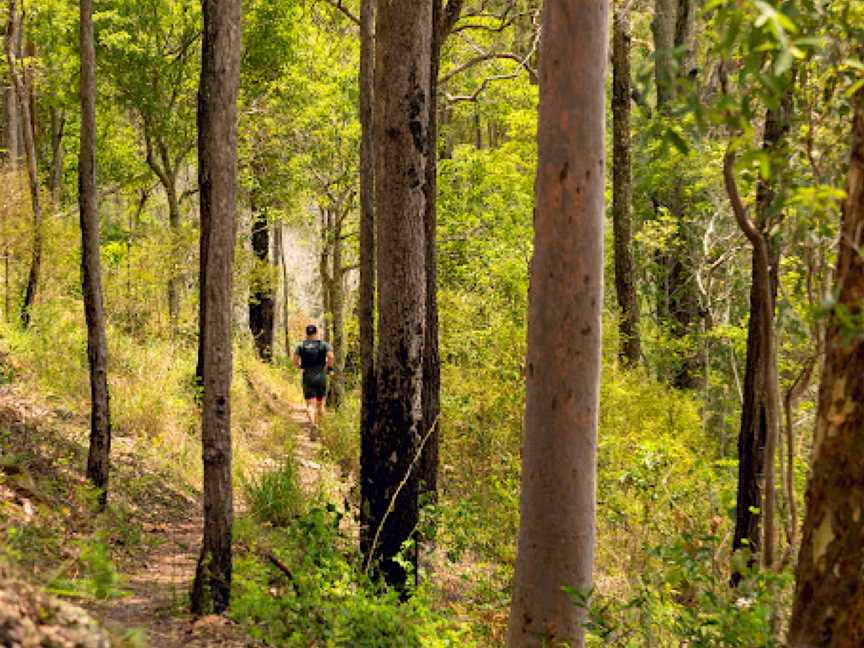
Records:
x=275, y=497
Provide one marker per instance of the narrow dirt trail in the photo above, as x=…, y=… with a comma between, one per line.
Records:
x=161, y=578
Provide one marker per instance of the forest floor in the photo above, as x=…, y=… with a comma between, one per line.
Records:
x=156, y=537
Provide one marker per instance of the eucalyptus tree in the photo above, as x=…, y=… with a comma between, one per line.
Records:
x=91, y=273
x=150, y=60
x=217, y=177
x=22, y=84
x=389, y=477
x=557, y=500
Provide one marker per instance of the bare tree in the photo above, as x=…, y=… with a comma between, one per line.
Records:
x=557, y=503
x=217, y=177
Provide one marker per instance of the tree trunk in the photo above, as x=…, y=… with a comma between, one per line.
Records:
x=336, y=392
x=557, y=502
x=13, y=146
x=286, y=330
x=217, y=177
x=174, y=225
x=829, y=598
x=12, y=36
x=262, y=296
x=625, y=280
x=759, y=430
x=367, y=245
x=663, y=27
x=389, y=487
x=97, y=345
x=55, y=181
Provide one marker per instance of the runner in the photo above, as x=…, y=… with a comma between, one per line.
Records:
x=316, y=359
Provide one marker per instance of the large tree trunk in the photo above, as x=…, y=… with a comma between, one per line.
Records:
x=262, y=298
x=12, y=37
x=389, y=486
x=760, y=409
x=829, y=598
x=557, y=503
x=91, y=274
x=367, y=245
x=217, y=176
x=625, y=279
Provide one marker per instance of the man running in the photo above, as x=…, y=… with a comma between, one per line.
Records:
x=316, y=358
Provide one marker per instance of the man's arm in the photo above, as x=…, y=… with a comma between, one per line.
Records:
x=297, y=360
x=331, y=359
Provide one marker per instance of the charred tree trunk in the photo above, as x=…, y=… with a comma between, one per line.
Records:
x=829, y=597
x=389, y=475
x=98, y=460
x=757, y=438
x=217, y=177
x=262, y=302
x=625, y=279
x=22, y=94
x=367, y=244
x=557, y=502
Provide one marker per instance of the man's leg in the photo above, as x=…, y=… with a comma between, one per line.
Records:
x=320, y=412
x=311, y=411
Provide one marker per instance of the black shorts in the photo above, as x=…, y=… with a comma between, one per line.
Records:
x=315, y=387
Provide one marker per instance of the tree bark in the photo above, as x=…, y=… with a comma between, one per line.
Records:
x=174, y=225
x=55, y=180
x=389, y=476
x=663, y=27
x=336, y=392
x=13, y=146
x=829, y=597
x=759, y=430
x=557, y=502
x=622, y=190
x=217, y=177
x=367, y=246
x=12, y=37
x=262, y=302
x=98, y=460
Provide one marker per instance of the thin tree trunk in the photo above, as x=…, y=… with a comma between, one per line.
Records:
x=367, y=253
x=13, y=146
x=262, y=297
x=174, y=225
x=286, y=330
x=22, y=94
x=389, y=488
x=557, y=502
x=759, y=432
x=217, y=175
x=98, y=460
x=55, y=180
x=337, y=302
x=625, y=280
x=829, y=597
x=663, y=28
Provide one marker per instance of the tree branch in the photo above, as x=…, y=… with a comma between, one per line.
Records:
x=337, y=4
x=738, y=208
x=482, y=58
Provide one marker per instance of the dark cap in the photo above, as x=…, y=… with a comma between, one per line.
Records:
x=311, y=329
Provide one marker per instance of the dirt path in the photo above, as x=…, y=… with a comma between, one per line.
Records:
x=160, y=580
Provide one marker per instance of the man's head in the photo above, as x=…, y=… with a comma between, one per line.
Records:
x=311, y=331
